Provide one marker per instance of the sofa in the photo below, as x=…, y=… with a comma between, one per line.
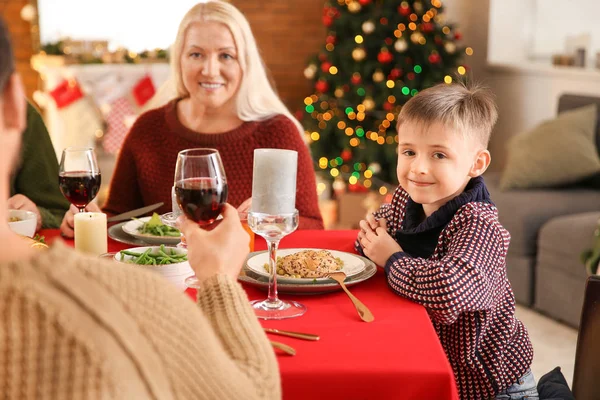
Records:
x=549, y=230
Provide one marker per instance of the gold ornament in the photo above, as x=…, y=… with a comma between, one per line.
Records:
x=416, y=37
x=378, y=76
x=354, y=7
x=359, y=54
x=368, y=27
x=400, y=45
x=450, y=47
x=368, y=103
x=339, y=92
x=310, y=71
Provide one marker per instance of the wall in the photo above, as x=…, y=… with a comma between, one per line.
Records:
x=287, y=33
x=23, y=42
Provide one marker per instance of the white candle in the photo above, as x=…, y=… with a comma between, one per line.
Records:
x=90, y=233
x=274, y=181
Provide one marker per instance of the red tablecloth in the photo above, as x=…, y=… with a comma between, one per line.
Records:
x=398, y=356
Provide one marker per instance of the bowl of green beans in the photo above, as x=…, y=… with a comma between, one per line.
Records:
x=170, y=262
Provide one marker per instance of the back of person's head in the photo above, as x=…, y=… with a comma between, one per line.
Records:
x=256, y=98
x=469, y=110
x=7, y=62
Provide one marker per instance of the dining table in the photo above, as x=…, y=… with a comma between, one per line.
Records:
x=397, y=356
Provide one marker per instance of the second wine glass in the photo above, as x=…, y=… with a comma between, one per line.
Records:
x=79, y=177
x=200, y=188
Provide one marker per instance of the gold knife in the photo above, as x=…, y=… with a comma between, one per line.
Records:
x=134, y=213
x=297, y=335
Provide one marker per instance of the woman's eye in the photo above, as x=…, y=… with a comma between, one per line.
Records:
x=439, y=156
x=226, y=56
x=408, y=153
x=195, y=54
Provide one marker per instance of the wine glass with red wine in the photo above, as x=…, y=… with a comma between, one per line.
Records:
x=79, y=176
x=200, y=188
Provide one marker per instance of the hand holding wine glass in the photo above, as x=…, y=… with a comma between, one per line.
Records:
x=200, y=188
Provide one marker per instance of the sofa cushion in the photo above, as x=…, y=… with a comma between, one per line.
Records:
x=563, y=239
x=556, y=152
x=523, y=212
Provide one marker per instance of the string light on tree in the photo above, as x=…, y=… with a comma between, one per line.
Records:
x=379, y=55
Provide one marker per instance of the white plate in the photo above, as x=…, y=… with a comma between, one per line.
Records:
x=131, y=228
x=352, y=264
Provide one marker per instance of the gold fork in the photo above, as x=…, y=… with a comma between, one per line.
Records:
x=283, y=347
x=364, y=313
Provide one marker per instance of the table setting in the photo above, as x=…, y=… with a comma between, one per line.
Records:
x=337, y=330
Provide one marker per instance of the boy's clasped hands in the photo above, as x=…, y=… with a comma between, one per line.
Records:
x=375, y=240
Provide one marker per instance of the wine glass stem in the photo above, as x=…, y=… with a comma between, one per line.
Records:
x=82, y=209
x=272, y=298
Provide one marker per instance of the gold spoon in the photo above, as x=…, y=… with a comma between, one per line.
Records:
x=283, y=347
x=364, y=313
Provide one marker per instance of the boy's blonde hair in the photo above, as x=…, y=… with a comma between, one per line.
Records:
x=256, y=99
x=468, y=110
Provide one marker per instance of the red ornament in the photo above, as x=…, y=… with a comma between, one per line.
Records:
x=357, y=188
x=404, y=11
x=383, y=21
x=299, y=114
x=346, y=88
x=389, y=41
x=325, y=66
x=438, y=40
x=385, y=57
x=457, y=35
x=364, y=2
x=395, y=73
x=331, y=39
x=387, y=106
x=434, y=58
x=321, y=86
x=322, y=57
x=427, y=27
x=327, y=20
x=346, y=155
x=410, y=76
x=356, y=79
x=408, y=60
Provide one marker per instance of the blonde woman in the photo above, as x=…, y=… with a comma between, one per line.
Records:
x=224, y=101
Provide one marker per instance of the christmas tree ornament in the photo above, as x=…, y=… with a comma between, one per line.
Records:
x=411, y=76
x=438, y=40
x=418, y=6
x=368, y=103
x=395, y=73
x=378, y=76
x=321, y=86
x=375, y=168
x=450, y=47
x=346, y=155
x=401, y=45
x=356, y=79
x=331, y=39
x=457, y=35
x=416, y=37
x=354, y=7
x=325, y=66
x=310, y=71
x=368, y=27
x=434, y=58
x=387, y=106
x=389, y=41
x=339, y=92
x=385, y=57
x=404, y=9
x=427, y=27
x=364, y=2
x=359, y=54
x=327, y=20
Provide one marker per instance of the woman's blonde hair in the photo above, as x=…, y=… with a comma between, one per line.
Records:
x=256, y=99
x=467, y=109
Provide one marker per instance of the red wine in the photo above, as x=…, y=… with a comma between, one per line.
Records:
x=201, y=199
x=79, y=187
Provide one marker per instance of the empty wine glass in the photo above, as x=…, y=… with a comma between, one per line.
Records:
x=200, y=188
x=79, y=176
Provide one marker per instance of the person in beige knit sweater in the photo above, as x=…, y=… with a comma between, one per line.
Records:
x=77, y=327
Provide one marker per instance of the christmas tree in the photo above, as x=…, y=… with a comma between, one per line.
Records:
x=378, y=53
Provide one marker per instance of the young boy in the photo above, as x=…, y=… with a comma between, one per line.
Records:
x=443, y=247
